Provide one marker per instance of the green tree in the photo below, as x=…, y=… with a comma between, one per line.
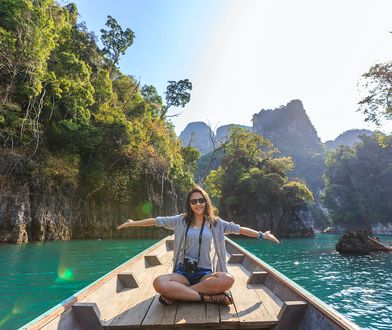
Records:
x=29, y=32
x=177, y=95
x=94, y=135
x=358, y=183
x=251, y=181
x=152, y=98
x=377, y=105
x=115, y=41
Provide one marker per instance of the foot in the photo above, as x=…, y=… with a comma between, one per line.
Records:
x=166, y=301
x=223, y=298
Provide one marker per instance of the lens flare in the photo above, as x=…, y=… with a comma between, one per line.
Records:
x=5, y=320
x=65, y=274
x=15, y=310
x=147, y=208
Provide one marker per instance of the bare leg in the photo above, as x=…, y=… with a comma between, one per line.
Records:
x=214, y=283
x=175, y=286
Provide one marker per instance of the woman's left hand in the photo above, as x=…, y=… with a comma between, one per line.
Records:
x=268, y=235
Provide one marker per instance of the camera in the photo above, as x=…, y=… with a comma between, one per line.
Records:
x=190, y=265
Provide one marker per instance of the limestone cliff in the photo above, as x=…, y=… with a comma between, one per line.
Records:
x=282, y=223
x=222, y=132
x=198, y=135
x=31, y=214
x=291, y=131
x=348, y=138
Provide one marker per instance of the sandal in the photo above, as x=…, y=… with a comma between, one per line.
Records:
x=166, y=301
x=223, y=298
x=201, y=297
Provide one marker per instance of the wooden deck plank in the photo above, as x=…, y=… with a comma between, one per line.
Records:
x=250, y=309
x=159, y=314
x=119, y=295
x=137, y=302
x=228, y=314
x=112, y=298
x=191, y=313
x=272, y=303
x=212, y=314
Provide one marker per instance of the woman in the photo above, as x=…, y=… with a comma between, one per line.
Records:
x=192, y=278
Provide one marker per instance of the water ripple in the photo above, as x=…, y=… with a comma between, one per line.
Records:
x=360, y=287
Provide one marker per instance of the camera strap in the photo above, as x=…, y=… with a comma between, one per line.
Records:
x=200, y=237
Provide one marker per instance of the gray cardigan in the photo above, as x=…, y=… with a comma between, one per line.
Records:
x=219, y=231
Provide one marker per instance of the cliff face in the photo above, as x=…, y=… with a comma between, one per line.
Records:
x=15, y=213
x=286, y=123
x=198, y=135
x=291, y=131
x=222, y=132
x=348, y=138
x=27, y=214
x=280, y=222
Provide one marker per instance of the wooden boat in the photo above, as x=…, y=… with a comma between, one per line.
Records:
x=125, y=299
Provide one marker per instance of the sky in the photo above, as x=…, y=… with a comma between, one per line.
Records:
x=246, y=55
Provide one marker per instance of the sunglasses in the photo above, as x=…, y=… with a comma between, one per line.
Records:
x=200, y=200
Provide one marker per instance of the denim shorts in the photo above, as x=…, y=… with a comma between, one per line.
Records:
x=195, y=277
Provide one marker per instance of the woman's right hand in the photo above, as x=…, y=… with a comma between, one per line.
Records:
x=125, y=224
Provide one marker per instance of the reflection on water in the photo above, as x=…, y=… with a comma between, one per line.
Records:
x=359, y=287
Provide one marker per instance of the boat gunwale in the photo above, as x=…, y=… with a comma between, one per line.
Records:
x=326, y=310
x=331, y=314
x=67, y=303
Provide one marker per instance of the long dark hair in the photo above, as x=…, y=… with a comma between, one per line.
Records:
x=209, y=211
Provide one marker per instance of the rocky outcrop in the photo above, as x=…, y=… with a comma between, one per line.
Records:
x=288, y=128
x=222, y=132
x=32, y=214
x=198, y=135
x=280, y=222
x=15, y=213
x=348, y=138
x=360, y=242
x=291, y=131
x=381, y=228
x=377, y=229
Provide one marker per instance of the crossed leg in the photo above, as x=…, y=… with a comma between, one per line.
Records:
x=177, y=287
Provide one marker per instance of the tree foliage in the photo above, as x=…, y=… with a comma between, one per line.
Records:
x=77, y=124
x=377, y=105
x=115, y=41
x=177, y=95
x=358, y=182
x=250, y=180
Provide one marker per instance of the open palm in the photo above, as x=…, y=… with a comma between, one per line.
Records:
x=268, y=235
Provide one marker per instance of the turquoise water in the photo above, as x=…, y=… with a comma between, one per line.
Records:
x=360, y=287
x=35, y=277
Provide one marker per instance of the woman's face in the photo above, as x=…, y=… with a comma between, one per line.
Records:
x=198, y=203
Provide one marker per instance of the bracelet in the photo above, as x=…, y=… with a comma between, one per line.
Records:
x=261, y=235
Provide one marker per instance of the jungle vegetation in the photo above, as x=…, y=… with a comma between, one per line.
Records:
x=251, y=180
x=70, y=120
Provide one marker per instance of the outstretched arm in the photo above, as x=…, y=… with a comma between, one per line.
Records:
x=140, y=223
x=256, y=234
